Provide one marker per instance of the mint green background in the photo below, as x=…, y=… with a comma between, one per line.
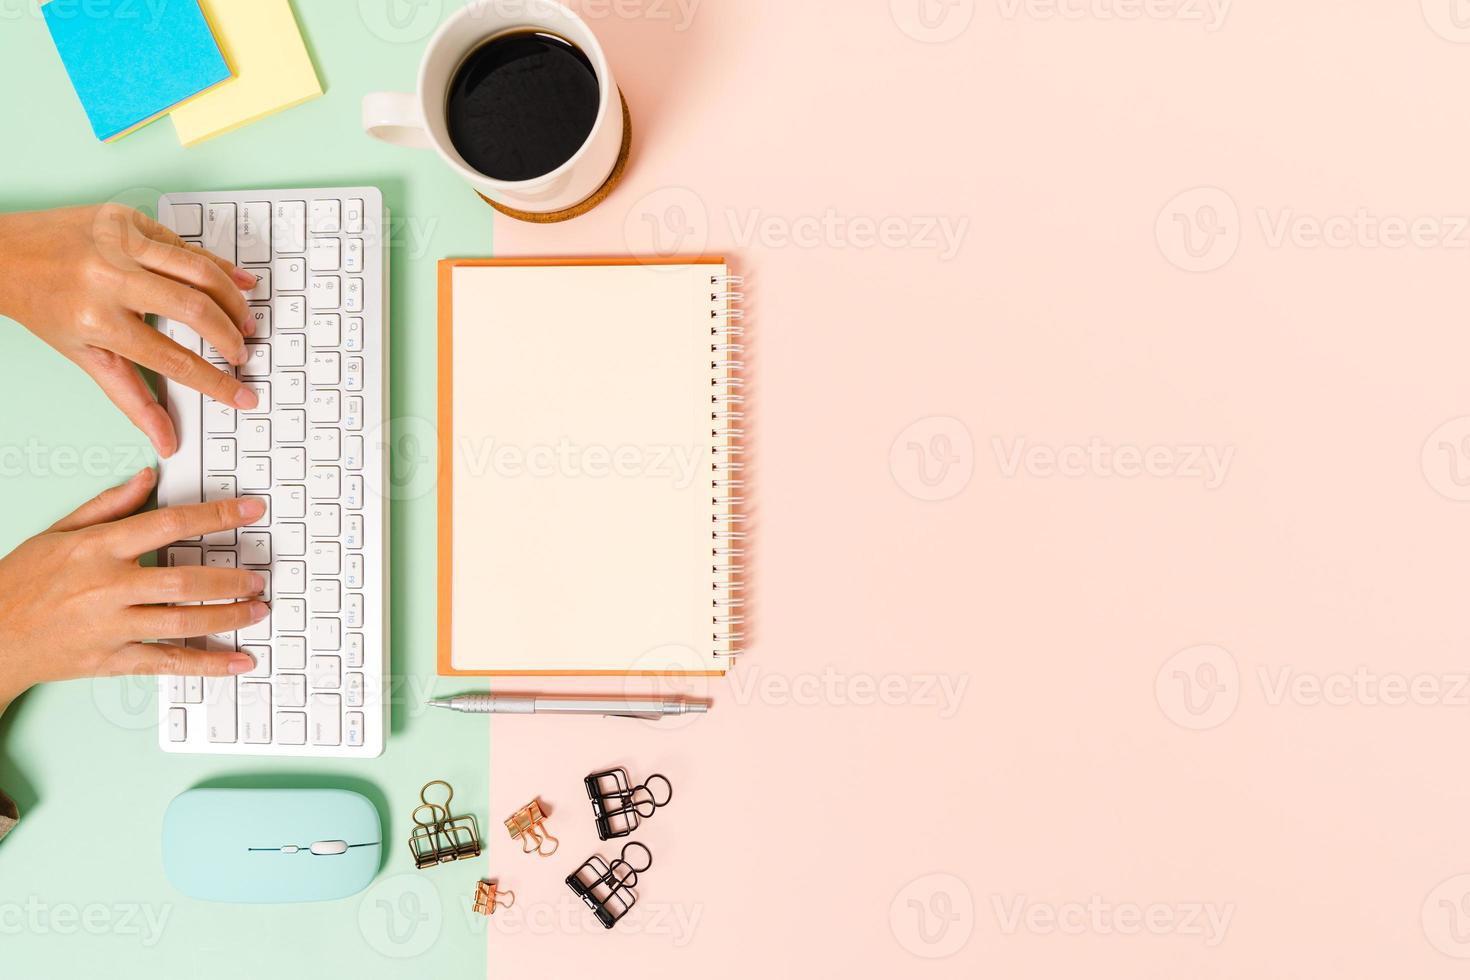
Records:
x=82, y=872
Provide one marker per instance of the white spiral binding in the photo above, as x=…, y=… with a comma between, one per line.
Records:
x=727, y=483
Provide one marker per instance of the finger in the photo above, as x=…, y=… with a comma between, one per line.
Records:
x=157, y=528
x=149, y=586
x=147, y=292
x=150, y=349
x=195, y=267
x=167, y=622
x=120, y=381
x=157, y=232
x=111, y=504
x=165, y=658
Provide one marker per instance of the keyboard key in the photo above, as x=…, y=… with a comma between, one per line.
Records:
x=352, y=499
x=218, y=418
x=219, y=234
x=326, y=292
x=325, y=722
x=325, y=255
x=326, y=217
x=353, y=537
x=290, y=615
x=353, y=418
x=261, y=291
x=290, y=388
x=262, y=655
x=264, y=520
x=354, y=611
x=325, y=596
x=219, y=455
x=178, y=730
x=261, y=316
x=325, y=521
x=354, y=374
x=325, y=368
x=352, y=340
x=258, y=361
x=291, y=350
x=174, y=689
x=194, y=690
x=352, y=299
x=325, y=445
x=353, y=454
x=354, y=649
x=352, y=255
x=255, y=233
x=324, y=672
x=290, y=275
x=221, y=559
x=353, y=690
x=325, y=559
x=291, y=501
x=326, y=330
x=253, y=633
x=291, y=577
x=262, y=391
x=255, y=473
x=291, y=653
x=255, y=714
x=291, y=312
x=291, y=690
x=354, y=571
x=219, y=708
x=290, y=540
x=290, y=728
x=325, y=406
x=183, y=557
x=255, y=436
x=291, y=463
x=291, y=425
x=255, y=548
x=290, y=227
x=352, y=220
x=324, y=483
x=354, y=728
x=188, y=220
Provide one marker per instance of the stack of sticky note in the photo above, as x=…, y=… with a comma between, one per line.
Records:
x=214, y=65
x=273, y=71
x=131, y=63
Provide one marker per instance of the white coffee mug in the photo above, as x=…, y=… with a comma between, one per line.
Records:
x=419, y=119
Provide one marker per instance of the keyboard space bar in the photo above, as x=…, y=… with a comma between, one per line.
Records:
x=181, y=476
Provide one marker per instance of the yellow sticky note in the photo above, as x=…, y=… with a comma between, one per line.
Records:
x=262, y=43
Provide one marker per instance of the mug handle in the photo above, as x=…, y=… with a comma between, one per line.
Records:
x=394, y=117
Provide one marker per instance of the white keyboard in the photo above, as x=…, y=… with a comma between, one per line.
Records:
x=316, y=450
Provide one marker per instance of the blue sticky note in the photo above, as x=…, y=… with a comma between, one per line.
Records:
x=130, y=61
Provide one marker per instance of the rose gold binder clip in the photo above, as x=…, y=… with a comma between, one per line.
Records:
x=489, y=897
x=528, y=825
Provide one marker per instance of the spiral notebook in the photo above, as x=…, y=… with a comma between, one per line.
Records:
x=591, y=457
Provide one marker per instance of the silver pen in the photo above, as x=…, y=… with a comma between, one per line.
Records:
x=517, y=704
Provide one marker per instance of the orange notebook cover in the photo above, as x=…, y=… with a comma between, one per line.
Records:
x=590, y=467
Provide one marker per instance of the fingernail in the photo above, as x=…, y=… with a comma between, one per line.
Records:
x=145, y=475
x=252, y=507
x=246, y=280
x=257, y=584
x=258, y=611
x=241, y=663
x=241, y=356
x=245, y=398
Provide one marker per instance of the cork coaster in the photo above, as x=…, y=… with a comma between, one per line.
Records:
x=551, y=217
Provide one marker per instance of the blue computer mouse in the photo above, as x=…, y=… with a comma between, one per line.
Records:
x=271, y=845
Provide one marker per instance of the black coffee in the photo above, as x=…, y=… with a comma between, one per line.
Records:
x=522, y=104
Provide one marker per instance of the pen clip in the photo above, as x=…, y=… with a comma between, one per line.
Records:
x=624, y=714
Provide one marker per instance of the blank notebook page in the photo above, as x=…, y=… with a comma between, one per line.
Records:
x=581, y=444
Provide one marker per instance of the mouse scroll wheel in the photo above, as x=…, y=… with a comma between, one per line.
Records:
x=329, y=847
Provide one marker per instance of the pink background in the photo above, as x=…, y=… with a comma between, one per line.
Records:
x=1140, y=741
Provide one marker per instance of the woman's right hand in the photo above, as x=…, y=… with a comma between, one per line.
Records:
x=74, y=602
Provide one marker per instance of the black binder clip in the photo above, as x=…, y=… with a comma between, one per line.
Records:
x=438, y=836
x=608, y=888
x=619, y=807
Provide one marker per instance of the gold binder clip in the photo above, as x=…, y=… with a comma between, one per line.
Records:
x=438, y=836
x=529, y=824
x=489, y=897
